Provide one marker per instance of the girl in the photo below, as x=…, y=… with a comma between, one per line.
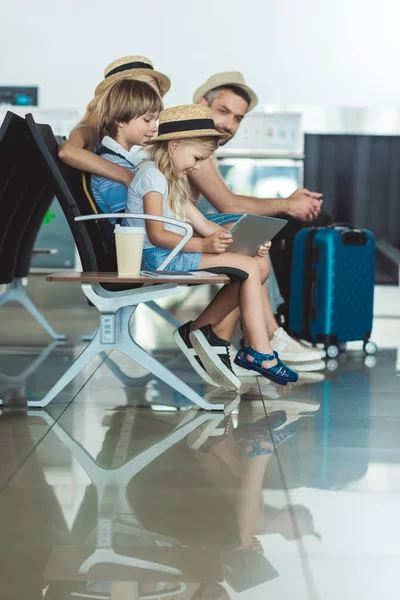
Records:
x=79, y=150
x=186, y=137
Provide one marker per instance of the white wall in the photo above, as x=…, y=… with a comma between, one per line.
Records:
x=336, y=52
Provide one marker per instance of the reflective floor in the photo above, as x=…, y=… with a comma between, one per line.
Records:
x=121, y=490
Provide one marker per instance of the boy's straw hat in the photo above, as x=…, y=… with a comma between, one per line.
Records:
x=186, y=121
x=130, y=67
x=231, y=78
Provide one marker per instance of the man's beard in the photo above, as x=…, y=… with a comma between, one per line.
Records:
x=222, y=142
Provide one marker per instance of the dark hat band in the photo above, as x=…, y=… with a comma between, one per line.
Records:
x=188, y=125
x=128, y=66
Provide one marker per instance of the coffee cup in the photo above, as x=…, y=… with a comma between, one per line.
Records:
x=129, y=245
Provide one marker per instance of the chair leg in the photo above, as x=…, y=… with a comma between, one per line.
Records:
x=114, y=334
x=83, y=359
x=17, y=293
x=163, y=313
x=89, y=336
x=150, y=363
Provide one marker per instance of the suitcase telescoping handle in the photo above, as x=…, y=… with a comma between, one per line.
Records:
x=351, y=235
x=348, y=225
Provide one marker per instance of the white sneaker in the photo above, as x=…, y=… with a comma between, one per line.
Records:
x=306, y=344
x=313, y=365
x=290, y=350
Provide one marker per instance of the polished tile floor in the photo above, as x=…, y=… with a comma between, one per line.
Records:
x=120, y=490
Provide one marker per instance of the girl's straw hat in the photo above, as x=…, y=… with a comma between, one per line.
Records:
x=220, y=79
x=130, y=67
x=186, y=121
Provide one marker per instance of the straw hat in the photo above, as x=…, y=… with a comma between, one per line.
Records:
x=186, y=121
x=131, y=67
x=231, y=78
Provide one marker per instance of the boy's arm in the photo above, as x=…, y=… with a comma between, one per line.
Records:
x=77, y=153
x=302, y=204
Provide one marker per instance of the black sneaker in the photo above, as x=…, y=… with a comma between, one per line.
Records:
x=182, y=340
x=214, y=354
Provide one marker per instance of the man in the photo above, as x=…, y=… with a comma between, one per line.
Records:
x=230, y=99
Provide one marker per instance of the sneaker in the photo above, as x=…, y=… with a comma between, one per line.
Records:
x=215, y=430
x=182, y=339
x=309, y=345
x=214, y=354
x=297, y=406
x=291, y=350
x=313, y=365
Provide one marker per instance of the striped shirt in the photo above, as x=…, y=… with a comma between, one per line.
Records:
x=111, y=196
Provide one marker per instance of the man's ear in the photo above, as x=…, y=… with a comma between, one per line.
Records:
x=203, y=101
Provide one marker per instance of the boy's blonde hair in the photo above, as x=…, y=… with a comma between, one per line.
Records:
x=93, y=105
x=178, y=189
x=127, y=99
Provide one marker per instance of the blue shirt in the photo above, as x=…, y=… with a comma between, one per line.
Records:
x=111, y=196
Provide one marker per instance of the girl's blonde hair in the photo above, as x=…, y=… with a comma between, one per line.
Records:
x=178, y=189
x=125, y=100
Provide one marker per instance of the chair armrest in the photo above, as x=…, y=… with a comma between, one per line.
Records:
x=188, y=229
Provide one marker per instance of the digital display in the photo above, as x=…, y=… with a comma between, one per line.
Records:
x=19, y=95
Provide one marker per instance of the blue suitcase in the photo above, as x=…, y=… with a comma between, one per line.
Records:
x=332, y=286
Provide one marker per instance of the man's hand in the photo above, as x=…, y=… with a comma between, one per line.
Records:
x=218, y=242
x=304, y=205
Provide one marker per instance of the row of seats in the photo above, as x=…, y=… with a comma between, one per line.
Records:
x=32, y=176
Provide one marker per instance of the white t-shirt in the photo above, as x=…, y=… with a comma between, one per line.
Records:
x=149, y=179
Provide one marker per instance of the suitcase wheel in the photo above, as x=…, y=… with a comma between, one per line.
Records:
x=370, y=347
x=370, y=361
x=332, y=351
x=332, y=365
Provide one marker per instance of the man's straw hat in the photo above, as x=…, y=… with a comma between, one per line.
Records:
x=186, y=121
x=131, y=67
x=231, y=78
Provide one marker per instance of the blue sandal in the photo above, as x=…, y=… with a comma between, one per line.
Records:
x=280, y=373
x=252, y=436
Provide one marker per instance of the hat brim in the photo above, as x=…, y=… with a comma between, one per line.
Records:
x=164, y=83
x=205, y=88
x=188, y=134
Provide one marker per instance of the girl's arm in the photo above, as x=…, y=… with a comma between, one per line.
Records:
x=199, y=222
x=216, y=242
x=77, y=153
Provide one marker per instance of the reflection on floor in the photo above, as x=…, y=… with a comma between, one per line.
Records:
x=120, y=490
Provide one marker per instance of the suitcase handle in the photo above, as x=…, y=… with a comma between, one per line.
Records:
x=348, y=225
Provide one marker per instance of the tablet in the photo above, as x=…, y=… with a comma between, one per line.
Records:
x=253, y=230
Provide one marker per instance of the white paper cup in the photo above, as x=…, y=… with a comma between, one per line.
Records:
x=129, y=245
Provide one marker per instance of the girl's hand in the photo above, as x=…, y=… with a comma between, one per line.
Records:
x=217, y=242
x=264, y=248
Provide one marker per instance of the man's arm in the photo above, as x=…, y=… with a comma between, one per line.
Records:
x=302, y=204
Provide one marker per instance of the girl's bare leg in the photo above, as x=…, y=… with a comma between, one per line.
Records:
x=224, y=326
x=248, y=294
